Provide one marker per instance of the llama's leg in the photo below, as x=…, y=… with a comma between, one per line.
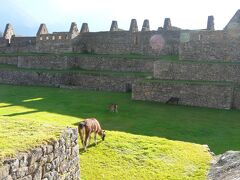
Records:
x=87, y=139
x=81, y=133
x=95, y=138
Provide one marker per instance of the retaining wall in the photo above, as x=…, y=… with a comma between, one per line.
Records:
x=203, y=95
x=9, y=60
x=43, y=62
x=98, y=63
x=57, y=159
x=112, y=64
x=197, y=71
x=236, y=98
x=68, y=80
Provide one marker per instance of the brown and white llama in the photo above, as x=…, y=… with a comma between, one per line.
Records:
x=86, y=128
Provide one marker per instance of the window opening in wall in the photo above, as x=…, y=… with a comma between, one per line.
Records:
x=199, y=37
x=59, y=37
x=40, y=38
x=66, y=37
x=47, y=37
x=53, y=38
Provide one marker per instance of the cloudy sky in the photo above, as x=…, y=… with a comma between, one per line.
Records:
x=26, y=15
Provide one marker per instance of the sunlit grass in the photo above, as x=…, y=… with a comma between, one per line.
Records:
x=34, y=99
x=22, y=134
x=135, y=144
x=127, y=156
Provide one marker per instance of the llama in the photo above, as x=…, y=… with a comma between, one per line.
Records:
x=86, y=128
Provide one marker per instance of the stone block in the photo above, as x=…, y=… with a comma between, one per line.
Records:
x=37, y=174
x=23, y=159
x=4, y=171
x=21, y=172
x=36, y=155
x=13, y=163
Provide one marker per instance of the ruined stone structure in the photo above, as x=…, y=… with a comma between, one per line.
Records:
x=167, y=24
x=146, y=26
x=206, y=74
x=114, y=26
x=58, y=159
x=206, y=44
x=210, y=23
x=8, y=33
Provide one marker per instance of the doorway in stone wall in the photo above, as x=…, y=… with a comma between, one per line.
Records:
x=128, y=87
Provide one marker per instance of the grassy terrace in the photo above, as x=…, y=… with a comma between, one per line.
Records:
x=145, y=140
x=133, y=56
x=166, y=81
x=122, y=56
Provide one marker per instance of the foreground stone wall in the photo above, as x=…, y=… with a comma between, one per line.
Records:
x=58, y=159
x=207, y=71
x=203, y=95
x=68, y=80
x=225, y=167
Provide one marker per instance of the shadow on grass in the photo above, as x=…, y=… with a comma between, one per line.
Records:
x=21, y=113
x=220, y=129
x=92, y=145
x=5, y=106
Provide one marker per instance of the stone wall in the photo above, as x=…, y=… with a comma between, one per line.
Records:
x=203, y=95
x=19, y=44
x=236, y=98
x=98, y=63
x=56, y=42
x=43, y=62
x=68, y=80
x=207, y=71
x=209, y=45
x=57, y=159
x=9, y=60
x=111, y=64
x=225, y=166
x=125, y=42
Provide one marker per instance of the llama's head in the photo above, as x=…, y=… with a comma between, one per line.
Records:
x=103, y=135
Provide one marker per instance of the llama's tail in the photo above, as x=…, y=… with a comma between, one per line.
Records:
x=81, y=128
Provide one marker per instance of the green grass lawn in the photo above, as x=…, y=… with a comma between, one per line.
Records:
x=145, y=140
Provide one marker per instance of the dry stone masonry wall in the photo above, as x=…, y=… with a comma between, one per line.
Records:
x=98, y=63
x=57, y=159
x=68, y=80
x=203, y=95
x=200, y=71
